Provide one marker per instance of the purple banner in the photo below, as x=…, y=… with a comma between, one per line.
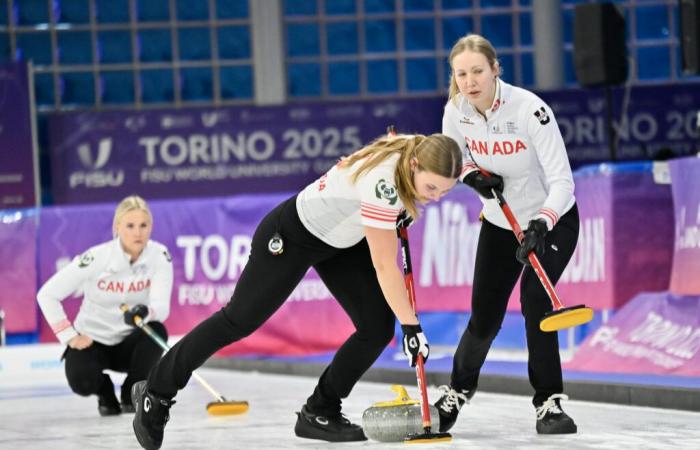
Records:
x=685, y=182
x=225, y=151
x=18, y=165
x=210, y=238
x=18, y=269
x=616, y=258
x=646, y=120
x=654, y=334
x=103, y=156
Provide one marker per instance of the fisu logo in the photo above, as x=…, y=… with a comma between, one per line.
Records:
x=104, y=150
x=91, y=176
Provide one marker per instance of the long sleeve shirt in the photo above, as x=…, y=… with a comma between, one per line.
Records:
x=519, y=140
x=108, y=279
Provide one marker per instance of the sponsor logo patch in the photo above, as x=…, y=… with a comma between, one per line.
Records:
x=542, y=115
x=387, y=191
x=85, y=260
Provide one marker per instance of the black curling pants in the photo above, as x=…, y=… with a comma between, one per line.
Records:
x=495, y=274
x=265, y=283
x=135, y=355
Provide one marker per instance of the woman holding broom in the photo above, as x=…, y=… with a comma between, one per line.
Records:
x=344, y=226
x=512, y=134
x=131, y=269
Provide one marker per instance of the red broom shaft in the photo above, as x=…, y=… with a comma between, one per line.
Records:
x=425, y=407
x=519, y=235
x=420, y=368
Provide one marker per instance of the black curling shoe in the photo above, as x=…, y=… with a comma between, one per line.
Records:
x=551, y=419
x=449, y=404
x=152, y=413
x=327, y=428
x=107, y=403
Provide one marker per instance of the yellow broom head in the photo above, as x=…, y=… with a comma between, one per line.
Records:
x=566, y=318
x=227, y=408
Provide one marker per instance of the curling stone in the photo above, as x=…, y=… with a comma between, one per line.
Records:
x=394, y=420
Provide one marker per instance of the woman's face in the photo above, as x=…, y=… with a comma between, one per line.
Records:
x=134, y=230
x=475, y=78
x=431, y=186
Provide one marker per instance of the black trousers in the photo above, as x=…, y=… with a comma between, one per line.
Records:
x=136, y=355
x=495, y=274
x=265, y=283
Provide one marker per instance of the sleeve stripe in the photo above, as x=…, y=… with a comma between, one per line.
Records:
x=379, y=209
x=60, y=326
x=551, y=214
x=381, y=219
x=384, y=216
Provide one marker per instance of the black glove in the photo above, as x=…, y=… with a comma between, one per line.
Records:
x=404, y=219
x=533, y=240
x=414, y=343
x=483, y=184
x=137, y=310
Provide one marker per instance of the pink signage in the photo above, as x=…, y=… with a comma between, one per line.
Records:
x=655, y=333
x=685, y=182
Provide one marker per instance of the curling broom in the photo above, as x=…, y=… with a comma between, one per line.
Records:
x=427, y=436
x=221, y=407
x=560, y=317
x=403, y=418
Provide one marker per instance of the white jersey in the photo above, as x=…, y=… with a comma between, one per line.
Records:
x=107, y=280
x=336, y=210
x=520, y=141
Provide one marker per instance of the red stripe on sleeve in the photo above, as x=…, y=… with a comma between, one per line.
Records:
x=60, y=326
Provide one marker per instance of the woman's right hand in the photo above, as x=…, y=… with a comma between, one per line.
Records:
x=80, y=342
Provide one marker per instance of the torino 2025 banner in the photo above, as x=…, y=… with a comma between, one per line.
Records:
x=225, y=151
x=103, y=156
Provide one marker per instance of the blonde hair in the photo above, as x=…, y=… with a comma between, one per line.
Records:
x=130, y=203
x=436, y=153
x=475, y=43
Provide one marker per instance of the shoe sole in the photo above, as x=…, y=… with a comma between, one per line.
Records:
x=446, y=424
x=558, y=430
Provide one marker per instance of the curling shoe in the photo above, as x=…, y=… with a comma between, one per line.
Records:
x=152, y=413
x=449, y=404
x=107, y=403
x=327, y=428
x=127, y=405
x=551, y=419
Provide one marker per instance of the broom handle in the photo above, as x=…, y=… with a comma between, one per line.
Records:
x=532, y=257
x=420, y=367
x=158, y=340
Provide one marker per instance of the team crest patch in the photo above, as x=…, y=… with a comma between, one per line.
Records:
x=387, y=191
x=542, y=115
x=85, y=259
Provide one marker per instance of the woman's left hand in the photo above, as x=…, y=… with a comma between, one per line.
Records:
x=80, y=342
